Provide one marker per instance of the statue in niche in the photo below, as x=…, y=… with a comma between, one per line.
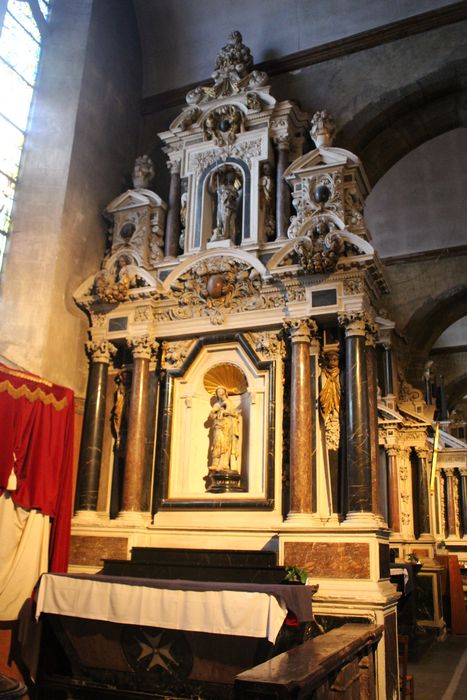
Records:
x=119, y=412
x=224, y=433
x=183, y=204
x=266, y=184
x=224, y=425
x=225, y=185
x=330, y=398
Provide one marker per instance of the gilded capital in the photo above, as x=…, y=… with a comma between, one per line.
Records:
x=100, y=351
x=422, y=452
x=301, y=329
x=354, y=323
x=392, y=451
x=142, y=347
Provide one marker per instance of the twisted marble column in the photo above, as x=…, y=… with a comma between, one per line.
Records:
x=172, y=227
x=133, y=480
x=370, y=347
x=300, y=417
x=90, y=454
x=394, y=514
x=423, y=500
x=359, y=475
x=282, y=190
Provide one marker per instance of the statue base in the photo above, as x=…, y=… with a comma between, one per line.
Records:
x=223, y=481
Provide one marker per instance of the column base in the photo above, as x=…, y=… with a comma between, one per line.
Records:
x=86, y=517
x=133, y=518
x=302, y=520
x=362, y=519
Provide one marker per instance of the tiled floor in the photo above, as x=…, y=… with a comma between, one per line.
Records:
x=441, y=674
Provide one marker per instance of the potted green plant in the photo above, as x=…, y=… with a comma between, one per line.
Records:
x=295, y=575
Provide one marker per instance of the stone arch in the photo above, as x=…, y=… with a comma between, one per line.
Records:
x=456, y=390
x=385, y=131
x=427, y=324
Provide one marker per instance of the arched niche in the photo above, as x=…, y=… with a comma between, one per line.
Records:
x=207, y=202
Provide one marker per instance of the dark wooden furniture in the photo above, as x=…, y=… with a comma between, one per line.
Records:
x=406, y=681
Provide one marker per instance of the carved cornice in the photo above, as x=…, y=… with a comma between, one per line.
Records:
x=100, y=351
x=143, y=347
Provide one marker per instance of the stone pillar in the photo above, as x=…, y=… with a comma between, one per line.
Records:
x=133, y=479
x=282, y=189
x=452, y=496
x=423, y=492
x=358, y=438
x=300, y=419
x=463, y=495
x=90, y=455
x=394, y=515
x=372, y=373
x=387, y=368
x=172, y=227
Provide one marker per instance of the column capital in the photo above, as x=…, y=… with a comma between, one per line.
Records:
x=371, y=334
x=174, y=166
x=142, y=347
x=449, y=471
x=282, y=142
x=354, y=322
x=100, y=351
x=301, y=329
x=422, y=452
x=392, y=451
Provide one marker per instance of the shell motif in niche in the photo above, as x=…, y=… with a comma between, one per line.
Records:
x=227, y=375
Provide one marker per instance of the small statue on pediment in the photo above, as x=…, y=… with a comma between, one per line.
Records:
x=143, y=172
x=323, y=128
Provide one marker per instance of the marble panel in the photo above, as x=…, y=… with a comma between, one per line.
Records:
x=90, y=551
x=330, y=559
x=390, y=654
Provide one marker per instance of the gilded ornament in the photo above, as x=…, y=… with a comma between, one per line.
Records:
x=228, y=375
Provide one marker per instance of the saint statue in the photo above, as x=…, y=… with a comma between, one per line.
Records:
x=330, y=398
x=224, y=433
x=226, y=186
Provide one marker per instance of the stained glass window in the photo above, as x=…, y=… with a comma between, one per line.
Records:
x=20, y=45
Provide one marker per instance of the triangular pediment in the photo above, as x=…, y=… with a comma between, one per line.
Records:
x=135, y=198
x=323, y=156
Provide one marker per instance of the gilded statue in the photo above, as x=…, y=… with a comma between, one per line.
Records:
x=330, y=398
x=224, y=433
x=225, y=185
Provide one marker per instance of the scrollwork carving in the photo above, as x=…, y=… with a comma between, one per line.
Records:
x=266, y=344
x=175, y=352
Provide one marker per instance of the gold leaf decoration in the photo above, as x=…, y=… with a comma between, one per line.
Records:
x=228, y=375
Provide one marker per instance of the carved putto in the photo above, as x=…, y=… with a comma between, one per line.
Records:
x=113, y=285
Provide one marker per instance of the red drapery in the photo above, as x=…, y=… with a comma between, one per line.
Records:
x=36, y=441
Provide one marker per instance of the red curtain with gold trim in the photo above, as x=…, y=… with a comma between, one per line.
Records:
x=36, y=441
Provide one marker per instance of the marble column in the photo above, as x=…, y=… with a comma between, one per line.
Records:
x=90, y=455
x=452, y=502
x=387, y=370
x=282, y=190
x=300, y=418
x=372, y=373
x=394, y=515
x=172, y=227
x=133, y=480
x=358, y=436
x=423, y=492
x=463, y=495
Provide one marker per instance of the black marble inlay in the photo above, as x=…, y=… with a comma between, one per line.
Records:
x=163, y=274
x=212, y=557
x=91, y=440
x=324, y=297
x=358, y=426
x=118, y=324
x=383, y=560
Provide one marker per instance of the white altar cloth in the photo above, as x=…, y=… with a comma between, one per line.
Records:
x=239, y=613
